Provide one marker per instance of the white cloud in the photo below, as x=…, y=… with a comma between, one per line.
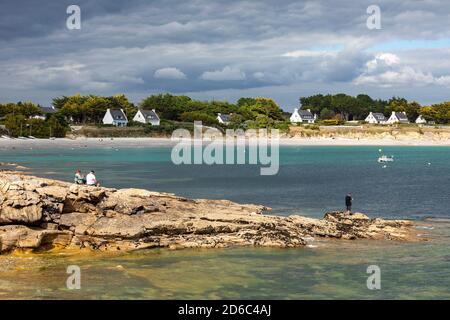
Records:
x=123, y=46
x=388, y=58
x=308, y=54
x=169, y=73
x=387, y=70
x=227, y=73
x=382, y=60
x=443, y=81
x=259, y=75
x=403, y=76
x=42, y=75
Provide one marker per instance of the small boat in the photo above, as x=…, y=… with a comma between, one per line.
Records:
x=384, y=158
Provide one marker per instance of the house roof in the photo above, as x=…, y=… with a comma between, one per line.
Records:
x=224, y=117
x=118, y=114
x=305, y=114
x=149, y=114
x=401, y=116
x=46, y=110
x=379, y=116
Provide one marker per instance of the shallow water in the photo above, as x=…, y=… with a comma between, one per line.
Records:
x=311, y=181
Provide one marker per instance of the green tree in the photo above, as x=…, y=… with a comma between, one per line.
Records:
x=429, y=113
x=317, y=102
x=261, y=106
x=15, y=124
x=57, y=128
x=439, y=112
x=326, y=113
x=94, y=108
x=236, y=121
x=205, y=118
x=168, y=106
x=121, y=101
x=245, y=102
x=91, y=109
x=344, y=105
x=27, y=109
x=347, y=107
x=73, y=107
x=263, y=121
x=413, y=110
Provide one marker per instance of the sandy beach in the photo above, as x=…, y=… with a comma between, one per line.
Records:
x=161, y=142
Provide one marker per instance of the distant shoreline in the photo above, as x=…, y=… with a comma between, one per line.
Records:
x=165, y=142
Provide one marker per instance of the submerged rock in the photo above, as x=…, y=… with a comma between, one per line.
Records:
x=40, y=214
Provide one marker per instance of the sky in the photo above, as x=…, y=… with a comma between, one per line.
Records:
x=224, y=50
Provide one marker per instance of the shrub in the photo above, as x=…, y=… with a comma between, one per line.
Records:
x=326, y=114
x=283, y=126
x=312, y=127
x=205, y=118
x=332, y=122
x=18, y=125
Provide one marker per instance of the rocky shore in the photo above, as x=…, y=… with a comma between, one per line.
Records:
x=38, y=214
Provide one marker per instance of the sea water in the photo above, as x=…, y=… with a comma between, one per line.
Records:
x=311, y=181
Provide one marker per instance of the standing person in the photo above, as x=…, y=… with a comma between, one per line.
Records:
x=79, y=179
x=348, y=202
x=91, y=179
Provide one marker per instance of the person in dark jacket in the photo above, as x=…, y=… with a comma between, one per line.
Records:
x=348, y=202
x=79, y=178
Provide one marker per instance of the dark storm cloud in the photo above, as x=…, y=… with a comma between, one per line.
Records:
x=221, y=48
x=31, y=18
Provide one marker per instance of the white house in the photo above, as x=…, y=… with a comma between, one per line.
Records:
x=44, y=112
x=302, y=116
x=224, y=118
x=397, y=117
x=421, y=120
x=115, y=117
x=147, y=116
x=376, y=118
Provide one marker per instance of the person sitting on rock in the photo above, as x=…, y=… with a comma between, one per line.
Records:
x=91, y=179
x=348, y=202
x=79, y=179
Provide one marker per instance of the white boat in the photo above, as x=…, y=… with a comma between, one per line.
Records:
x=384, y=158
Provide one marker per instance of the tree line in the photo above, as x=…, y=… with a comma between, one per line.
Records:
x=246, y=113
x=19, y=120
x=345, y=107
x=173, y=110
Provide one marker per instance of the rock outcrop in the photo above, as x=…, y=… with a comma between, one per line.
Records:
x=41, y=214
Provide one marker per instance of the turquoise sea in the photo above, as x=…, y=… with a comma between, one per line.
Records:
x=311, y=181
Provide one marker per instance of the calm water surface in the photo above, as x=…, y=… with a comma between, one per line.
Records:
x=311, y=181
